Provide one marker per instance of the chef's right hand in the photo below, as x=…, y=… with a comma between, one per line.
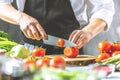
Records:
x=31, y=27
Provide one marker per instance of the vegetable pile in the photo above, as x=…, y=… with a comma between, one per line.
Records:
x=109, y=53
x=107, y=50
x=6, y=42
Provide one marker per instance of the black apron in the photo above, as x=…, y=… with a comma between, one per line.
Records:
x=56, y=17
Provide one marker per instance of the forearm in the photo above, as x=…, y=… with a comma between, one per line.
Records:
x=95, y=26
x=9, y=13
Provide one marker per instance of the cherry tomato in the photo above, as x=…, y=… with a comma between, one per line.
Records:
x=71, y=52
x=42, y=62
x=102, y=56
x=60, y=42
x=27, y=62
x=38, y=52
x=58, y=62
x=115, y=53
x=104, y=46
x=115, y=46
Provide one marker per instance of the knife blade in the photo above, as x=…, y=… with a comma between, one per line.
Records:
x=52, y=40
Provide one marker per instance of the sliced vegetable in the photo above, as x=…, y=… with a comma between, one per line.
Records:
x=71, y=52
x=60, y=42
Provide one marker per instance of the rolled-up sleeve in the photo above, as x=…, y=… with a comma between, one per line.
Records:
x=20, y=3
x=6, y=1
x=103, y=9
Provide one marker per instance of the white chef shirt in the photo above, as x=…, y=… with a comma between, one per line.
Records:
x=84, y=10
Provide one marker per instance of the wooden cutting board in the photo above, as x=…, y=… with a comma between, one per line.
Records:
x=80, y=60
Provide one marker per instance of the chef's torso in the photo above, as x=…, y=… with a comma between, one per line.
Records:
x=55, y=16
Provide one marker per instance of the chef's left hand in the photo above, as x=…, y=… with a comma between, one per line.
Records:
x=80, y=37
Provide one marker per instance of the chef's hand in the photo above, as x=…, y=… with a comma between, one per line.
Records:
x=31, y=27
x=80, y=37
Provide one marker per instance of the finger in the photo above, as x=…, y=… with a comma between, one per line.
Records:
x=80, y=44
x=24, y=30
x=41, y=30
x=29, y=33
x=76, y=36
x=80, y=39
x=25, y=33
x=34, y=32
x=84, y=38
x=71, y=35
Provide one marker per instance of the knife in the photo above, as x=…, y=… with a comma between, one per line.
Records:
x=52, y=40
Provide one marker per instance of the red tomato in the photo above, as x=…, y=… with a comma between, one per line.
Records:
x=60, y=42
x=71, y=52
x=115, y=53
x=102, y=56
x=58, y=62
x=104, y=46
x=27, y=62
x=38, y=52
x=42, y=62
x=115, y=46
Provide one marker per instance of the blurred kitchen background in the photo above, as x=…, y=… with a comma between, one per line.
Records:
x=91, y=48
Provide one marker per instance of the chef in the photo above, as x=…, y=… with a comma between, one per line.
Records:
x=76, y=20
